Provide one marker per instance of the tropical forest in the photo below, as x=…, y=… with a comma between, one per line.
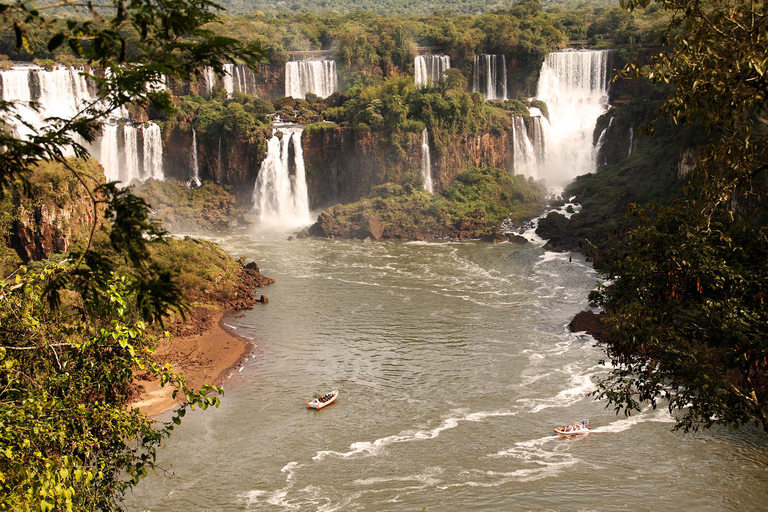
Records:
x=399, y=255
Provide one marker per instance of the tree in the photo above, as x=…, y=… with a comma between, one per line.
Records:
x=73, y=334
x=690, y=281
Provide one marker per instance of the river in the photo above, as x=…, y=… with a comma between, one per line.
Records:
x=454, y=362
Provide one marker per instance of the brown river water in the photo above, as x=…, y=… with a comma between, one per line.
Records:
x=454, y=363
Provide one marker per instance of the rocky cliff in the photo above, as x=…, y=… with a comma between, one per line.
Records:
x=233, y=160
x=57, y=214
x=345, y=164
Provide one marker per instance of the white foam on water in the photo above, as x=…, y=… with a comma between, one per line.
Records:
x=660, y=415
x=373, y=448
x=428, y=478
x=581, y=386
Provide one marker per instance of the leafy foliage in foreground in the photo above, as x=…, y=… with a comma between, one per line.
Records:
x=69, y=438
x=688, y=318
x=72, y=334
x=690, y=281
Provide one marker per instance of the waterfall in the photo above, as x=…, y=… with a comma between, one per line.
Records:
x=209, y=79
x=125, y=151
x=526, y=157
x=631, y=141
x=227, y=79
x=152, y=148
x=280, y=195
x=430, y=69
x=574, y=84
x=194, y=179
x=426, y=162
x=315, y=76
x=601, y=141
x=489, y=76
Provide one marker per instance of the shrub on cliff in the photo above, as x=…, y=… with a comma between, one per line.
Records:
x=474, y=205
x=210, y=207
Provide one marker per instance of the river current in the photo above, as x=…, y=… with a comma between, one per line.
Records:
x=454, y=362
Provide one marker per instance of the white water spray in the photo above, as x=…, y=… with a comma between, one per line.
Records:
x=126, y=151
x=280, y=195
x=430, y=69
x=489, y=76
x=574, y=84
x=426, y=162
x=315, y=76
x=194, y=179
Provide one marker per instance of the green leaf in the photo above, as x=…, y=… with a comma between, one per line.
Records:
x=55, y=41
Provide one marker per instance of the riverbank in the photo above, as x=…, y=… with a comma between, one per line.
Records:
x=204, y=357
x=201, y=347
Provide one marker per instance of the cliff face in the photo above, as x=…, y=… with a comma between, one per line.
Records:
x=270, y=81
x=618, y=138
x=58, y=214
x=344, y=164
x=226, y=160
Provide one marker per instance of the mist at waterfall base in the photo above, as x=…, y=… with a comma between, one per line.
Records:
x=454, y=363
x=280, y=195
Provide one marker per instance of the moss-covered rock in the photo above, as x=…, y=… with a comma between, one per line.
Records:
x=210, y=207
x=473, y=206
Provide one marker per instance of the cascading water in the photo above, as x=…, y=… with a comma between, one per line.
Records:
x=130, y=153
x=631, y=141
x=525, y=159
x=280, y=195
x=209, y=80
x=315, y=76
x=574, y=84
x=125, y=151
x=194, y=179
x=430, y=69
x=236, y=77
x=426, y=162
x=490, y=76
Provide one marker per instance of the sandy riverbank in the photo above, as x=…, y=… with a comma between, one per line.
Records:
x=205, y=357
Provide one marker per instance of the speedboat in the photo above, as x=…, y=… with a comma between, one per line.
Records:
x=326, y=399
x=573, y=430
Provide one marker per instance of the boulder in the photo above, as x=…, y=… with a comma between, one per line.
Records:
x=592, y=324
x=494, y=238
x=374, y=227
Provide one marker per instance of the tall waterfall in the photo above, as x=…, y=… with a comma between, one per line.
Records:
x=280, y=195
x=130, y=152
x=209, y=80
x=426, y=162
x=125, y=151
x=315, y=76
x=194, y=179
x=525, y=158
x=489, y=76
x=236, y=77
x=430, y=69
x=574, y=84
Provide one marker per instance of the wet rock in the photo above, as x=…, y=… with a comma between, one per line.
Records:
x=517, y=239
x=494, y=238
x=592, y=324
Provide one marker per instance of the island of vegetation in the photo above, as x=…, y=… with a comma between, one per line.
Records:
x=675, y=219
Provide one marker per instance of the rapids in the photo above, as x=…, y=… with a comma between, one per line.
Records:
x=454, y=362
